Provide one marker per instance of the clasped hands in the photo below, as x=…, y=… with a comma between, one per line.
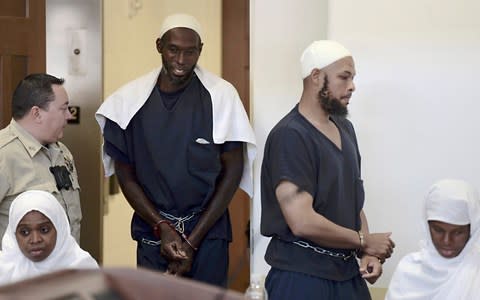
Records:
x=377, y=248
x=177, y=252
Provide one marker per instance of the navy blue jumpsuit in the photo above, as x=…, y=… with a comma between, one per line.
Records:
x=297, y=152
x=169, y=142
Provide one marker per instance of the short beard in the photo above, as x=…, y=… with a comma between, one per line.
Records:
x=331, y=106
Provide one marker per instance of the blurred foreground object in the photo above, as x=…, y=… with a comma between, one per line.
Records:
x=112, y=284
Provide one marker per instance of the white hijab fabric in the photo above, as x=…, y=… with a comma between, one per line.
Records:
x=14, y=266
x=426, y=274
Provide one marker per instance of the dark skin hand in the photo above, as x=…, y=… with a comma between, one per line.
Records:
x=180, y=267
x=370, y=268
x=383, y=247
x=227, y=184
x=171, y=242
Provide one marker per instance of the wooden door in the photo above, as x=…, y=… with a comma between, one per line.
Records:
x=235, y=69
x=22, y=47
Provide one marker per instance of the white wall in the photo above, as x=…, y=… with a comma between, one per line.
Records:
x=416, y=105
x=279, y=31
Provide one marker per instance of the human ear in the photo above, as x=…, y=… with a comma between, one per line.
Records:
x=35, y=113
x=159, y=45
x=318, y=76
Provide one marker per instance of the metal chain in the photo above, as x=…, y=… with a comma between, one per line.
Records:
x=179, y=222
x=320, y=250
x=150, y=242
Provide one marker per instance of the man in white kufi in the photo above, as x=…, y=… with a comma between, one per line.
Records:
x=312, y=191
x=180, y=143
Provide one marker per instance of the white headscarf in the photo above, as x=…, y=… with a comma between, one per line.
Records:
x=320, y=54
x=14, y=265
x=426, y=274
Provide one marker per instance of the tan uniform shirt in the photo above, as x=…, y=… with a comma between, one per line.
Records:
x=25, y=165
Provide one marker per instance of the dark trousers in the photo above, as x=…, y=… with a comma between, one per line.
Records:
x=210, y=264
x=292, y=285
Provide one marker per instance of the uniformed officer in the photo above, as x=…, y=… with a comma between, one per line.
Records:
x=31, y=156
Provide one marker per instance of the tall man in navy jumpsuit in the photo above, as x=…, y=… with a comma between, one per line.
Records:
x=312, y=191
x=180, y=143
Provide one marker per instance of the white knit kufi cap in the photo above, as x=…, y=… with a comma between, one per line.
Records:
x=180, y=20
x=320, y=54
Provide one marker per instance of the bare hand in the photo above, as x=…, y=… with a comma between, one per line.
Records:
x=378, y=245
x=370, y=268
x=171, y=246
x=180, y=267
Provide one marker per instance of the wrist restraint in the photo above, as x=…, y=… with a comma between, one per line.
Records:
x=158, y=232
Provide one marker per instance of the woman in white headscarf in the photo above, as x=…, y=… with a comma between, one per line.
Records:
x=448, y=263
x=38, y=239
